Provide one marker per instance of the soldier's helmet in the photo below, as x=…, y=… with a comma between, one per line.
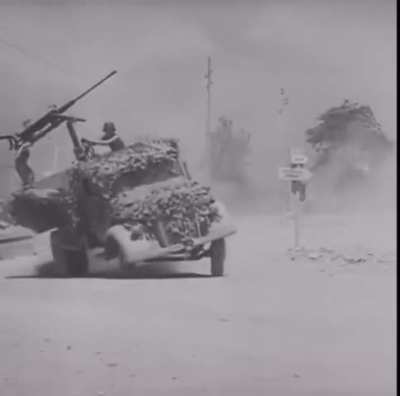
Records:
x=109, y=127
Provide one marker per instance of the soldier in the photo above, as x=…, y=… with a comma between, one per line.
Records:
x=22, y=167
x=25, y=172
x=110, y=138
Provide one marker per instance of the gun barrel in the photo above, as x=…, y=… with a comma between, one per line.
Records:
x=109, y=75
x=48, y=120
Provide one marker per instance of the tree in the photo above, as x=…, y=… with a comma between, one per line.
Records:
x=351, y=126
x=345, y=123
x=349, y=149
x=228, y=151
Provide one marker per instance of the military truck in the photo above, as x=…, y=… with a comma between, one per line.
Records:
x=138, y=204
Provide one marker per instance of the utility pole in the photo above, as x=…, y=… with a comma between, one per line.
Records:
x=208, y=86
x=282, y=127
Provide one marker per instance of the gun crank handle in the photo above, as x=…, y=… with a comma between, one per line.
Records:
x=74, y=119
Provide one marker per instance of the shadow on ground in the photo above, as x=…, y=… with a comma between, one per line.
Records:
x=148, y=271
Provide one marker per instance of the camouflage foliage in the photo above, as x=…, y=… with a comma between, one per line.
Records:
x=140, y=157
x=42, y=210
x=181, y=207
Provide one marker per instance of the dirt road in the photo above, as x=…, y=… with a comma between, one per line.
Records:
x=274, y=325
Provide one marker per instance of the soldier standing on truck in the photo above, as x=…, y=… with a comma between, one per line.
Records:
x=25, y=172
x=22, y=167
x=110, y=138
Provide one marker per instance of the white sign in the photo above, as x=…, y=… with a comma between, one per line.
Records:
x=292, y=174
x=298, y=157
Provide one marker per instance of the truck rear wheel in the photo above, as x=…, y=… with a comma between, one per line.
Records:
x=68, y=261
x=217, y=255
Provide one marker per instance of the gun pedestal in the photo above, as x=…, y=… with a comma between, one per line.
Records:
x=79, y=151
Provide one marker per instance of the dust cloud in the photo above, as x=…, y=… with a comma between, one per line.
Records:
x=320, y=322
x=160, y=52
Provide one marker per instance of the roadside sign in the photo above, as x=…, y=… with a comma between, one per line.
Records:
x=297, y=175
x=298, y=157
x=292, y=174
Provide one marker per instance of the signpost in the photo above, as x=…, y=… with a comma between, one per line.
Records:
x=294, y=174
x=297, y=157
x=297, y=175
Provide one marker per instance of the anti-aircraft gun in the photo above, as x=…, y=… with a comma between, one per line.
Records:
x=48, y=122
x=136, y=204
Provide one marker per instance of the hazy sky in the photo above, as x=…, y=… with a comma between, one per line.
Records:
x=319, y=51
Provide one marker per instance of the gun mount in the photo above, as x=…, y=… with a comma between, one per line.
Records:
x=49, y=121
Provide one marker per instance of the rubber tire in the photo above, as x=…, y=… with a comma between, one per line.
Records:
x=217, y=255
x=68, y=262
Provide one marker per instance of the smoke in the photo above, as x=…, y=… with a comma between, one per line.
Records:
x=340, y=186
x=161, y=53
x=379, y=192
x=352, y=180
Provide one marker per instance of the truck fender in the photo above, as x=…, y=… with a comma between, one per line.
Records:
x=118, y=242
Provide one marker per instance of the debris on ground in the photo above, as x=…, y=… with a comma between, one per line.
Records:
x=350, y=256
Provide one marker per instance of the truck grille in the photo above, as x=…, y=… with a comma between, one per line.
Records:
x=187, y=229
